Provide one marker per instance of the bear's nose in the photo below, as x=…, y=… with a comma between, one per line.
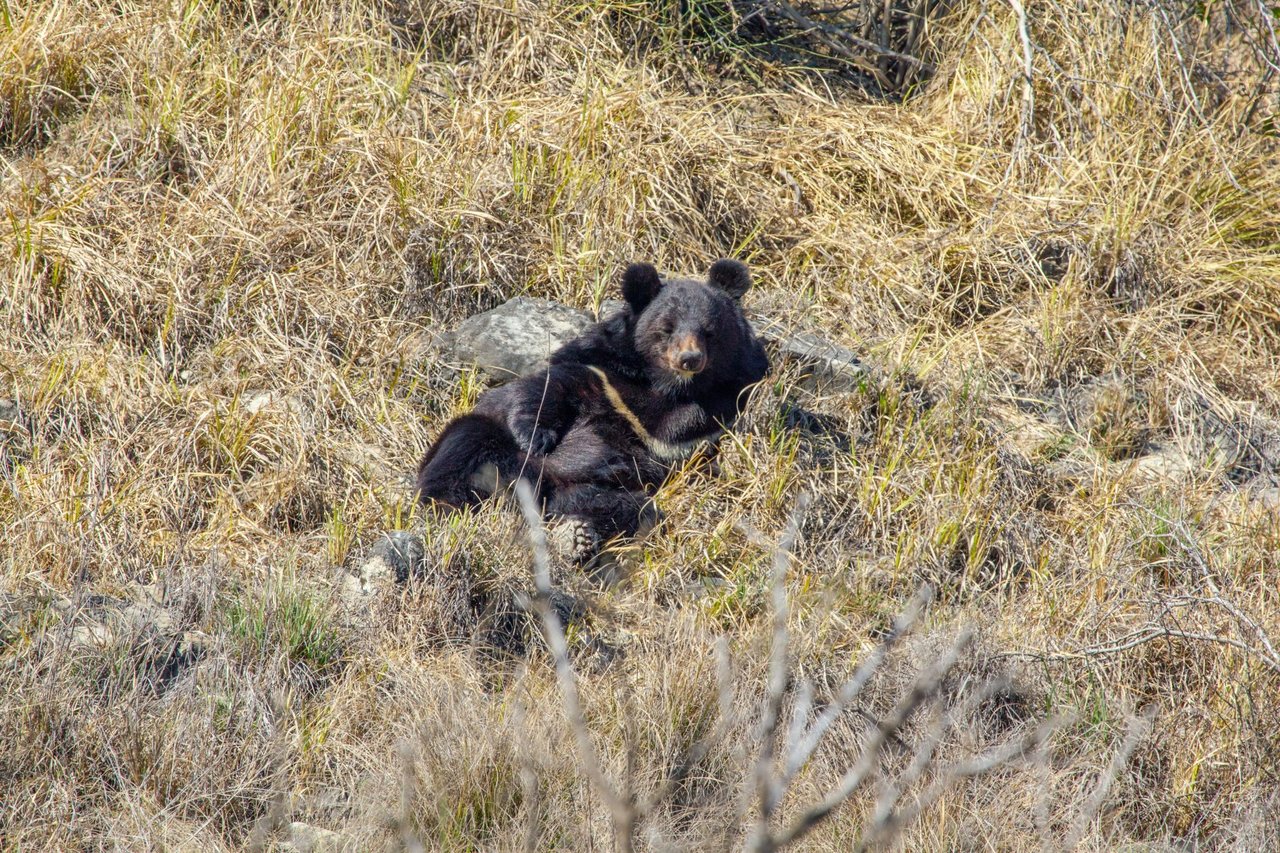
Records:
x=692, y=360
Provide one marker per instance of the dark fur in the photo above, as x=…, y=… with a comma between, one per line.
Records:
x=559, y=429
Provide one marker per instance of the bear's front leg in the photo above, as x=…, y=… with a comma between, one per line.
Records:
x=532, y=435
x=543, y=411
x=707, y=417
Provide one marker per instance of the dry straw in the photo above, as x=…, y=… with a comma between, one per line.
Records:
x=233, y=231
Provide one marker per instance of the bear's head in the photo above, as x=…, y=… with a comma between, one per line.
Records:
x=688, y=330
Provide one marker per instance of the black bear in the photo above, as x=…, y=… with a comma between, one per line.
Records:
x=614, y=410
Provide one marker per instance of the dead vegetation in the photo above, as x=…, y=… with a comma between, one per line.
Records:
x=234, y=230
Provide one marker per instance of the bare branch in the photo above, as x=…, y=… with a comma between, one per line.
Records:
x=1142, y=637
x=1026, y=121
x=769, y=790
x=1139, y=728
x=1257, y=644
x=923, y=688
x=942, y=723
x=890, y=823
x=622, y=812
x=835, y=36
x=850, y=691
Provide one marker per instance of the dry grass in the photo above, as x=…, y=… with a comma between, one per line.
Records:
x=233, y=230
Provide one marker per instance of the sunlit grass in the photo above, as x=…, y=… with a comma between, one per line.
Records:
x=234, y=232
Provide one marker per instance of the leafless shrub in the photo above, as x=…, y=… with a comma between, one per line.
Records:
x=780, y=754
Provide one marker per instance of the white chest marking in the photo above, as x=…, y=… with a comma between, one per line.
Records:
x=663, y=450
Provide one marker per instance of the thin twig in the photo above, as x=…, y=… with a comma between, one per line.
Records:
x=622, y=811
x=923, y=688
x=834, y=34
x=1002, y=756
x=1139, y=728
x=768, y=790
x=1027, y=120
x=1139, y=638
x=851, y=689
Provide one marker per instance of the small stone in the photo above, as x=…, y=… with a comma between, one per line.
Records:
x=1267, y=498
x=15, y=438
x=305, y=838
x=10, y=414
x=95, y=635
x=158, y=647
x=192, y=645
x=1108, y=412
x=516, y=338
x=1036, y=438
x=392, y=560
x=704, y=587
x=277, y=404
x=140, y=618
x=1164, y=463
x=258, y=402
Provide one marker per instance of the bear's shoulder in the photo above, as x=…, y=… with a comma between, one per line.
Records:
x=608, y=345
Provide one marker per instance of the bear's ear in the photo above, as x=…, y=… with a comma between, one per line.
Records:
x=640, y=284
x=730, y=276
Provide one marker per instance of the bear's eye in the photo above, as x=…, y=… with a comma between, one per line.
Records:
x=709, y=335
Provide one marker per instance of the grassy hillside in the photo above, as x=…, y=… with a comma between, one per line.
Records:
x=233, y=232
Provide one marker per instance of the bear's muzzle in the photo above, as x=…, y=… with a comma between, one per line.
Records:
x=686, y=356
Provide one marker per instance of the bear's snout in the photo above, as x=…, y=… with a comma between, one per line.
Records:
x=692, y=360
x=687, y=355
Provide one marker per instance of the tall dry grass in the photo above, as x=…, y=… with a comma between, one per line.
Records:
x=234, y=230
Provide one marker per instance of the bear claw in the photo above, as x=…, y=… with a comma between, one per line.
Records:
x=575, y=539
x=543, y=441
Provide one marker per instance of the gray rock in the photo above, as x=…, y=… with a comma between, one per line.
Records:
x=100, y=622
x=392, y=560
x=1268, y=498
x=15, y=439
x=1221, y=441
x=113, y=618
x=1109, y=412
x=1261, y=464
x=515, y=338
x=826, y=366
x=1164, y=462
x=305, y=838
x=704, y=587
x=519, y=335
x=122, y=623
x=1245, y=445
x=143, y=634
